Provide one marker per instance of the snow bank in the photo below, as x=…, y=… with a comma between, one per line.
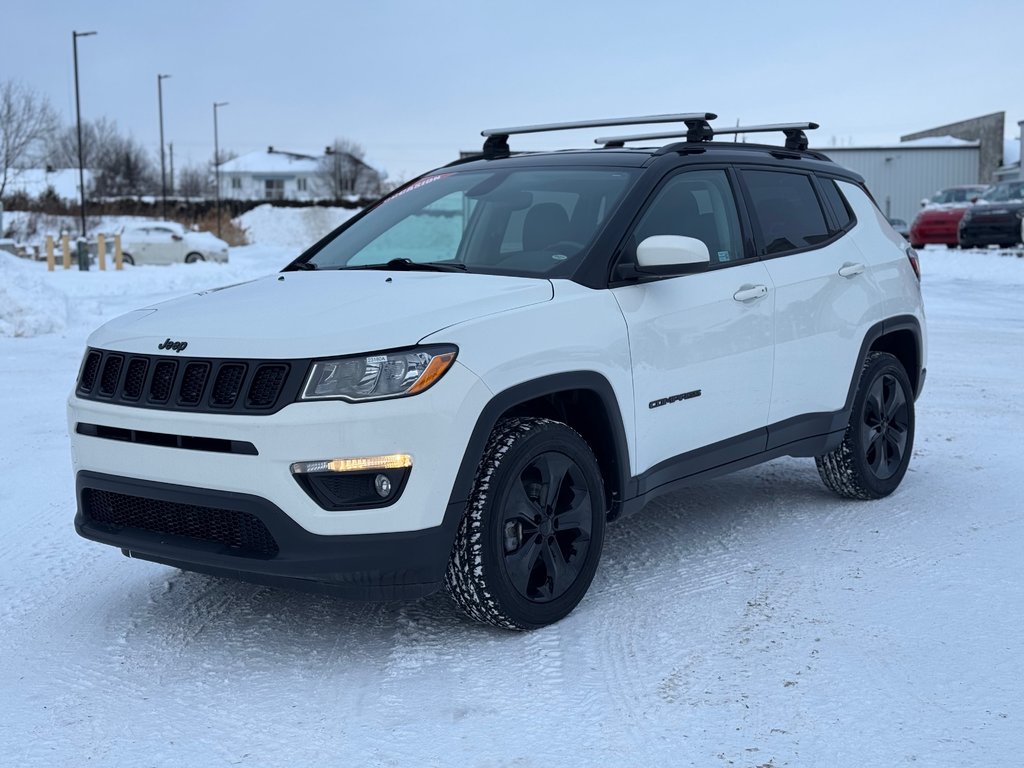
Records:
x=28, y=305
x=999, y=266
x=292, y=228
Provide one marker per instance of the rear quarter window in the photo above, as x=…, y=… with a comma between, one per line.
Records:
x=836, y=201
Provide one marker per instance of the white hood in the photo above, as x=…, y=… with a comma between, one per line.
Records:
x=318, y=314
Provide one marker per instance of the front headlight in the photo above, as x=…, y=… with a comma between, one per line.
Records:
x=374, y=377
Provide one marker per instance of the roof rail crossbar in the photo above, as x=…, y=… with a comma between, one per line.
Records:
x=496, y=144
x=795, y=136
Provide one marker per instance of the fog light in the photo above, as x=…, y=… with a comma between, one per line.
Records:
x=357, y=464
x=383, y=486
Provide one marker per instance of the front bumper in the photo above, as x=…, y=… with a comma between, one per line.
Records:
x=434, y=427
x=1004, y=230
x=375, y=567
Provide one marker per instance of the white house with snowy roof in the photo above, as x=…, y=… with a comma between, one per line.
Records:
x=37, y=182
x=282, y=175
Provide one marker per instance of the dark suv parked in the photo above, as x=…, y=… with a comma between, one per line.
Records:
x=996, y=218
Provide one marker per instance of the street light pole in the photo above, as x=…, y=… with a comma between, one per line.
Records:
x=163, y=168
x=216, y=158
x=78, y=119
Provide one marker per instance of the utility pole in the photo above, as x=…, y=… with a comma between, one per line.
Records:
x=216, y=158
x=163, y=169
x=78, y=120
x=170, y=150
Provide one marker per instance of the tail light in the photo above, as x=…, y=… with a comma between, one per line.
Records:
x=915, y=262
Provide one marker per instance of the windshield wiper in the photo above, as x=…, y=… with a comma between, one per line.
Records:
x=300, y=267
x=408, y=265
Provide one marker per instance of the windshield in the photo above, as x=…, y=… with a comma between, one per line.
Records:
x=518, y=222
x=957, y=195
x=1011, y=191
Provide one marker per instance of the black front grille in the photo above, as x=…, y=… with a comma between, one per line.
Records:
x=240, y=531
x=191, y=384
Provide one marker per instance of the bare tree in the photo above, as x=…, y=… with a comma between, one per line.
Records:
x=26, y=119
x=342, y=171
x=193, y=181
x=120, y=165
x=98, y=137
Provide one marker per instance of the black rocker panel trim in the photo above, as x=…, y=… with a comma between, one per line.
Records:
x=383, y=566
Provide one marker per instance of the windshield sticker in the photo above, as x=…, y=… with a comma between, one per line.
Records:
x=420, y=183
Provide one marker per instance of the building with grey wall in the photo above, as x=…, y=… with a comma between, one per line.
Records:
x=987, y=130
x=901, y=175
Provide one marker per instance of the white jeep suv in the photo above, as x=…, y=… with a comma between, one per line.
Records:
x=464, y=384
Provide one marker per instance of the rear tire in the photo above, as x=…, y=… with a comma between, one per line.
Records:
x=531, y=537
x=126, y=258
x=876, y=448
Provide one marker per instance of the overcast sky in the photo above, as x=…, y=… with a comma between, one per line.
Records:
x=415, y=82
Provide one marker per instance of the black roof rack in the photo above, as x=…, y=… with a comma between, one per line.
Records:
x=496, y=144
x=795, y=136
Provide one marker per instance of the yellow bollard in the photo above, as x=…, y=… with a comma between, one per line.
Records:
x=101, y=251
x=65, y=244
x=117, y=252
x=49, y=253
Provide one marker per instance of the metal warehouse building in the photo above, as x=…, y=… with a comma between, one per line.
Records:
x=901, y=175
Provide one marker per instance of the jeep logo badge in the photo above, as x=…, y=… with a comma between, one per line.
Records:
x=177, y=346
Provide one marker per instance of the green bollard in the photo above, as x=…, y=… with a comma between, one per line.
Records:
x=83, y=255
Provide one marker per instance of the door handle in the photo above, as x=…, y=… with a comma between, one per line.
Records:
x=750, y=292
x=849, y=269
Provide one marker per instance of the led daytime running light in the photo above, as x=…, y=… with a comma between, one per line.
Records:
x=357, y=464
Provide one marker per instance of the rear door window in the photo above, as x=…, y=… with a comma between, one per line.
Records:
x=786, y=210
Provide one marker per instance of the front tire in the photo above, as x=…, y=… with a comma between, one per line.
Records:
x=876, y=448
x=531, y=538
x=192, y=258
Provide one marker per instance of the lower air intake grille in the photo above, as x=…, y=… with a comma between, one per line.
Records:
x=239, y=530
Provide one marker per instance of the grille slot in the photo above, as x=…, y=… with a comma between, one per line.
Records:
x=163, y=380
x=240, y=531
x=227, y=385
x=111, y=374
x=89, y=371
x=266, y=386
x=135, y=378
x=192, y=383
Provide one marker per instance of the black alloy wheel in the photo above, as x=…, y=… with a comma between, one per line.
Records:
x=546, y=526
x=530, y=540
x=885, y=427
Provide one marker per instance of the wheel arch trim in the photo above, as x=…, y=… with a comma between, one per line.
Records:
x=622, y=483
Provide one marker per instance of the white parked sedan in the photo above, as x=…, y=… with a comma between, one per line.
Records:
x=167, y=242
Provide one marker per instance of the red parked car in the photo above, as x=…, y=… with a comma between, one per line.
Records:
x=940, y=218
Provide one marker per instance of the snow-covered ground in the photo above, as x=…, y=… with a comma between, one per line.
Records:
x=751, y=621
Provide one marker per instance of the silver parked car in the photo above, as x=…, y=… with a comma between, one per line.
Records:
x=167, y=242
